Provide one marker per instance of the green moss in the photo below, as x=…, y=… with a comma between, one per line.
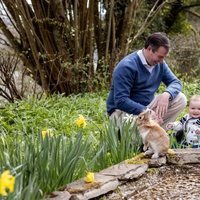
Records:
x=139, y=159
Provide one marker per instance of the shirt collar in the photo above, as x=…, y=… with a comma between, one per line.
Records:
x=143, y=60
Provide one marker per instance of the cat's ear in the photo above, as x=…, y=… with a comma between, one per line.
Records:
x=149, y=113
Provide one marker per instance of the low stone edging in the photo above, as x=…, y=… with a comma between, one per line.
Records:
x=109, y=179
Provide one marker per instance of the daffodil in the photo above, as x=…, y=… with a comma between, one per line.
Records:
x=89, y=178
x=48, y=133
x=7, y=183
x=81, y=122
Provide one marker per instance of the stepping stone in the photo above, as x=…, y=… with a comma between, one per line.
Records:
x=125, y=171
x=159, y=162
x=184, y=156
x=60, y=195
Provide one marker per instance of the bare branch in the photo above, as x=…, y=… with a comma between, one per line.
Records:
x=149, y=18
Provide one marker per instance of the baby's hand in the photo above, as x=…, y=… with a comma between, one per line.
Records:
x=197, y=131
x=169, y=126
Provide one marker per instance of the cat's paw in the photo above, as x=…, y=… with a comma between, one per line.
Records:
x=144, y=148
x=155, y=156
x=148, y=152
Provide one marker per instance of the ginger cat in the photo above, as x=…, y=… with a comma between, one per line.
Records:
x=155, y=138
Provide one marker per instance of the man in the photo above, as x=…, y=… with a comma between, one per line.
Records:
x=137, y=78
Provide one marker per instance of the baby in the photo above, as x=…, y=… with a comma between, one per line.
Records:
x=190, y=123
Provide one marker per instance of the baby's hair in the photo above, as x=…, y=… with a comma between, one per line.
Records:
x=195, y=98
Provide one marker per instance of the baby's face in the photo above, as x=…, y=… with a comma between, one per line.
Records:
x=194, y=109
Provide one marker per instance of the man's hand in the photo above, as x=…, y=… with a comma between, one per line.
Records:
x=162, y=104
x=155, y=117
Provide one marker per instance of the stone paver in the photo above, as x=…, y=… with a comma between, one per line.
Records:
x=184, y=156
x=125, y=171
x=60, y=195
x=158, y=162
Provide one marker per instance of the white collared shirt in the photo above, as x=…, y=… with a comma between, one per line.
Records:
x=144, y=62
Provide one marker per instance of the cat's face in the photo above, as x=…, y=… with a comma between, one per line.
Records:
x=143, y=117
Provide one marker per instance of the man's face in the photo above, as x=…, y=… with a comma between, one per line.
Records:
x=156, y=57
x=194, y=109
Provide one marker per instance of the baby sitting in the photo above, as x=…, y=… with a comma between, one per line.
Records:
x=190, y=123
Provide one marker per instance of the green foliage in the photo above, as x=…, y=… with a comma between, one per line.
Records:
x=172, y=19
x=190, y=87
x=181, y=25
x=56, y=112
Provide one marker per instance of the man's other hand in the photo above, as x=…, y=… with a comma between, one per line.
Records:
x=162, y=104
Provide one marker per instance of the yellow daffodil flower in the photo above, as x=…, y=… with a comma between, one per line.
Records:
x=48, y=133
x=81, y=122
x=7, y=183
x=89, y=177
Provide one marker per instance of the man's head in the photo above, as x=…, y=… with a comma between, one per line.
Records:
x=194, y=106
x=156, y=48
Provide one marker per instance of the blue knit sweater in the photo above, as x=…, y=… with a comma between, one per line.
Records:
x=133, y=86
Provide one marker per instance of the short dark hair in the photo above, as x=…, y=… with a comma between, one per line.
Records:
x=157, y=40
